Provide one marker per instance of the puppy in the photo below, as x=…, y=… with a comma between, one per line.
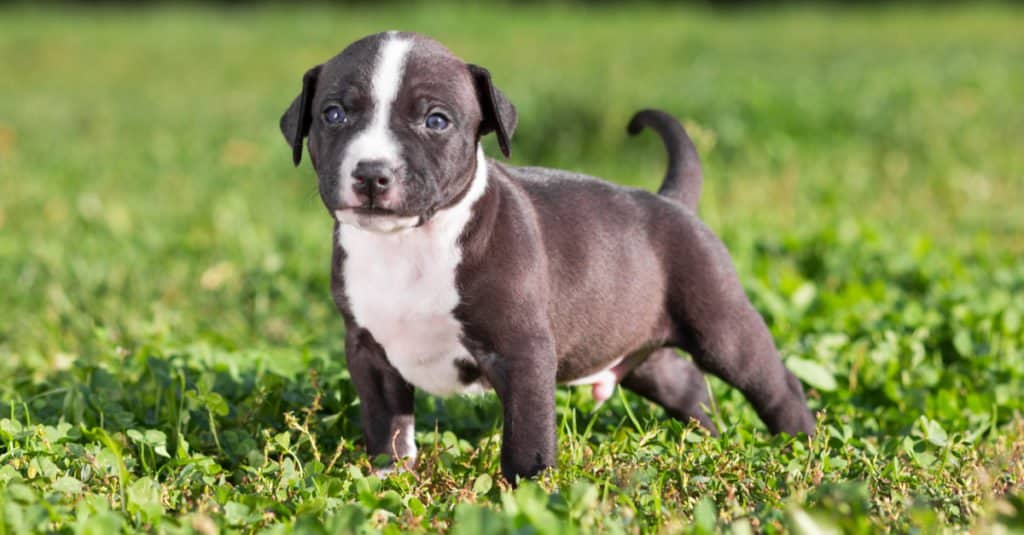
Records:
x=455, y=273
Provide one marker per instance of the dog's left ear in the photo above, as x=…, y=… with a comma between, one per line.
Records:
x=298, y=117
x=499, y=115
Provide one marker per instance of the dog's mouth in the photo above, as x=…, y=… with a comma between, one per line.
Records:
x=377, y=220
x=361, y=210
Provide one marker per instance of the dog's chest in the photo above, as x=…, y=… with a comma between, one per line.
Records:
x=402, y=289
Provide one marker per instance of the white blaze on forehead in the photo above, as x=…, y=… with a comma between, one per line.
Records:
x=376, y=142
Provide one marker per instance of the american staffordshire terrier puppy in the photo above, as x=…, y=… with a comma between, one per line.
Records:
x=456, y=273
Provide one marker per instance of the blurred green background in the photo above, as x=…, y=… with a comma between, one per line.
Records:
x=865, y=167
x=140, y=148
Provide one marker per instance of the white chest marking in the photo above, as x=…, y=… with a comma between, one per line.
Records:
x=401, y=287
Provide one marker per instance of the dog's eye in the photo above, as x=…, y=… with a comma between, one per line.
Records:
x=436, y=121
x=334, y=114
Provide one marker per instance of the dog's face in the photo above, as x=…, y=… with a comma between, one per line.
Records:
x=393, y=123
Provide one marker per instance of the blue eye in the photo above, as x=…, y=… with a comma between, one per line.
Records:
x=436, y=121
x=334, y=115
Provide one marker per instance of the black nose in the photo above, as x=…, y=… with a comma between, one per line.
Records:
x=372, y=177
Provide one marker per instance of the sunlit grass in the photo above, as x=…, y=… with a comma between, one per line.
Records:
x=173, y=358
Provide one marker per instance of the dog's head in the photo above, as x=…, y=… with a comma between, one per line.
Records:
x=393, y=123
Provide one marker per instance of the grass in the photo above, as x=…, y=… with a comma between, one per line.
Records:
x=173, y=362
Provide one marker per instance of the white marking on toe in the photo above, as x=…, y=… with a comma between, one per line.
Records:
x=410, y=442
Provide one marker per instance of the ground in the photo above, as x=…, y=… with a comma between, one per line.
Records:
x=173, y=361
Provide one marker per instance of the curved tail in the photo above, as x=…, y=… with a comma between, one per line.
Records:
x=684, y=177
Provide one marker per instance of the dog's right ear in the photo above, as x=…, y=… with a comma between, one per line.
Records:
x=499, y=115
x=298, y=117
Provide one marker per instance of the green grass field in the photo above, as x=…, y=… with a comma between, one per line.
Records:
x=172, y=360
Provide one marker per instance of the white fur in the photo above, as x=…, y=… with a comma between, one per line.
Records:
x=376, y=142
x=376, y=223
x=603, y=382
x=410, y=442
x=410, y=458
x=401, y=287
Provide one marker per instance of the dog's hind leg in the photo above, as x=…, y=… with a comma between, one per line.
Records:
x=716, y=323
x=674, y=383
x=730, y=340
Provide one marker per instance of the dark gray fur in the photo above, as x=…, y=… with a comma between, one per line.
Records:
x=561, y=273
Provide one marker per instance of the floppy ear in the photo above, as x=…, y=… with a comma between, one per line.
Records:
x=499, y=115
x=297, y=118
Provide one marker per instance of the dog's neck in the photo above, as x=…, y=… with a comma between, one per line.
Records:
x=453, y=218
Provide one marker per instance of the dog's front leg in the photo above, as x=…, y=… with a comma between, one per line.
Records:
x=385, y=399
x=522, y=372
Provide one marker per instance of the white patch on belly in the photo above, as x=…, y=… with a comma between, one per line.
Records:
x=401, y=287
x=603, y=382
